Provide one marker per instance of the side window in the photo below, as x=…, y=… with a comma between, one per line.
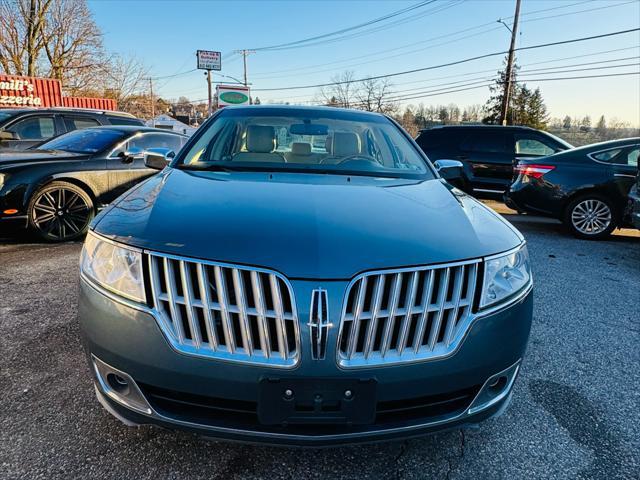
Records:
x=76, y=123
x=124, y=121
x=34, y=128
x=532, y=146
x=156, y=140
x=607, y=155
x=486, y=142
x=632, y=157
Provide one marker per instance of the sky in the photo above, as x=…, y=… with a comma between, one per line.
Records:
x=165, y=35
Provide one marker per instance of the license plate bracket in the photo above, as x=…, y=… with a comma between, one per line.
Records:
x=317, y=401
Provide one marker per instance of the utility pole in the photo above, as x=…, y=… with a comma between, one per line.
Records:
x=509, y=72
x=153, y=106
x=210, y=104
x=244, y=54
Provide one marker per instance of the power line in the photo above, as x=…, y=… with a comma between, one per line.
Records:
x=457, y=62
x=347, y=29
x=268, y=75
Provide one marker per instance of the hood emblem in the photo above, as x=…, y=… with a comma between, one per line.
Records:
x=319, y=324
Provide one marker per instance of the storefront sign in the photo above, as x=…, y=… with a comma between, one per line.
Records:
x=18, y=92
x=232, y=95
x=208, y=60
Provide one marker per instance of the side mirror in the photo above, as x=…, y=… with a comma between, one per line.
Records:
x=158, y=158
x=6, y=135
x=449, y=169
x=130, y=155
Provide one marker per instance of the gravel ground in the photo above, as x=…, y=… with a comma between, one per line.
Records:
x=574, y=412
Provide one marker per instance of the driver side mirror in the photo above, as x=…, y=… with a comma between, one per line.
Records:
x=158, y=158
x=449, y=169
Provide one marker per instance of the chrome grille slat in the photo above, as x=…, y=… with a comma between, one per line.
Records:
x=410, y=314
x=227, y=312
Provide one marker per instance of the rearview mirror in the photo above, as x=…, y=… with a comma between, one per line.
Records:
x=308, y=129
x=158, y=158
x=449, y=169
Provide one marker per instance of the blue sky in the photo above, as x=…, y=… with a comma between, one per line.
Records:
x=166, y=34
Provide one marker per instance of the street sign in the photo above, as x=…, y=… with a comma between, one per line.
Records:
x=232, y=95
x=208, y=60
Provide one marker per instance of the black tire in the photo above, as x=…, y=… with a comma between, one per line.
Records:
x=60, y=212
x=591, y=216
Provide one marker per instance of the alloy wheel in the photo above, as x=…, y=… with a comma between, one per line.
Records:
x=591, y=217
x=61, y=213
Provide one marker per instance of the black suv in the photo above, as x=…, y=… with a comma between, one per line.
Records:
x=488, y=152
x=21, y=128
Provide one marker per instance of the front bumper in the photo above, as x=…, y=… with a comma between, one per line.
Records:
x=220, y=400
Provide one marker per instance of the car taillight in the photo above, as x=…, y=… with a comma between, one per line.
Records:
x=534, y=171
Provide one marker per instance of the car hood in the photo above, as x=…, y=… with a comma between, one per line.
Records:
x=26, y=156
x=306, y=225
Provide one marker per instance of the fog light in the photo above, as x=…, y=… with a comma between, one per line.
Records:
x=495, y=389
x=120, y=387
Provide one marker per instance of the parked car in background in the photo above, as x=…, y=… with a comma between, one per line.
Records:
x=587, y=187
x=56, y=188
x=327, y=289
x=633, y=210
x=22, y=128
x=488, y=152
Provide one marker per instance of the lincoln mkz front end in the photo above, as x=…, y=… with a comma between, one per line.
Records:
x=303, y=276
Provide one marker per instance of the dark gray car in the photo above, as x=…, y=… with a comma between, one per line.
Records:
x=303, y=276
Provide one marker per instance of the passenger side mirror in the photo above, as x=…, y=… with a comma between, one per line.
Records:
x=6, y=135
x=449, y=169
x=158, y=158
x=130, y=155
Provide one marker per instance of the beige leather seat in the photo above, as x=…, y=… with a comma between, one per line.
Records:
x=341, y=145
x=261, y=143
x=301, y=153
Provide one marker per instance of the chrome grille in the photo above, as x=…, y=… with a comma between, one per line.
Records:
x=224, y=311
x=406, y=315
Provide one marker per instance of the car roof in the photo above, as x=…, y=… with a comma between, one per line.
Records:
x=621, y=142
x=134, y=129
x=68, y=110
x=281, y=109
x=477, y=126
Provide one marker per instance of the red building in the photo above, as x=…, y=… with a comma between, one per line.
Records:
x=18, y=92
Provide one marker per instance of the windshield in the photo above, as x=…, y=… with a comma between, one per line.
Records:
x=88, y=140
x=313, y=140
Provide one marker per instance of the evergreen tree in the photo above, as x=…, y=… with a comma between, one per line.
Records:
x=566, y=123
x=493, y=106
x=537, y=116
x=601, y=126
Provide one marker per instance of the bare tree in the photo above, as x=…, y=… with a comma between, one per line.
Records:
x=71, y=39
x=341, y=93
x=126, y=80
x=21, y=24
x=374, y=95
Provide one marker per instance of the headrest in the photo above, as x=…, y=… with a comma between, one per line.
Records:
x=261, y=139
x=301, y=148
x=345, y=144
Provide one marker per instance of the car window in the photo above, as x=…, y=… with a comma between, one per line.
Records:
x=156, y=140
x=76, y=123
x=432, y=139
x=88, y=140
x=322, y=140
x=532, y=146
x=34, y=128
x=607, y=155
x=485, y=141
x=124, y=121
x=632, y=157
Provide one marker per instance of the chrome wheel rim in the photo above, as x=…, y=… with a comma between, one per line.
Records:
x=591, y=217
x=60, y=213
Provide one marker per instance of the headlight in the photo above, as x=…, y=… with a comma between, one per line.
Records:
x=114, y=267
x=504, y=276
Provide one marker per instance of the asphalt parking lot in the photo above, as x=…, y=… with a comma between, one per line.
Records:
x=574, y=412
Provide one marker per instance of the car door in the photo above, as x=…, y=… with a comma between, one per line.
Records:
x=489, y=156
x=621, y=164
x=126, y=163
x=30, y=131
